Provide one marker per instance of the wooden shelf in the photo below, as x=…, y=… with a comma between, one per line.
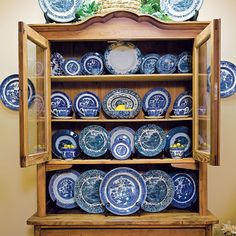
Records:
x=121, y=120
x=123, y=78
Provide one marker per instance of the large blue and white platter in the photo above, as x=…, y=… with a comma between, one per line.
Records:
x=62, y=137
x=122, y=58
x=184, y=64
x=160, y=190
x=92, y=63
x=61, y=188
x=122, y=97
x=184, y=102
x=186, y=189
x=86, y=100
x=148, y=65
x=60, y=10
x=86, y=191
x=123, y=191
x=180, y=134
x=72, y=66
x=57, y=61
x=122, y=134
x=121, y=150
x=150, y=140
x=60, y=102
x=9, y=92
x=180, y=10
x=94, y=141
x=167, y=64
x=156, y=98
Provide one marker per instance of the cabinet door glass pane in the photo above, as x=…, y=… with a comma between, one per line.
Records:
x=36, y=108
x=204, y=98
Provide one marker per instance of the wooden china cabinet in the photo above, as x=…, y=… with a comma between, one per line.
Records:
x=37, y=42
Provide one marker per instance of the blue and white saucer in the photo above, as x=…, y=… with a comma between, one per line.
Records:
x=61, y=188
x=121, y=150
x=92, y=63
x=72, y=66
x=167, y=64
x=148, y=65
x=86, y=191
x=9, y=92
x=185, y=62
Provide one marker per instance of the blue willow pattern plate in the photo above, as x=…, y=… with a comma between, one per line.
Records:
x=64, y=137
x=94, y=141
x=167, y=64
x=86, y=100
x=92, y=63
x=9, y=92
x=122, y=97
x=57, y=61
x=60, y=10
x=123, y=191
x=60, y=101
x=72, y=66
x=122, y=58
x=160, y=190
x=157, y=98
x=121, y=150
x=61, y=188
x=180, y=10
x=184, y=101
x=181, y=135
x=150, y=140
x=87, y=191
x=185, y=62
x=186, y=193
x=148, y=65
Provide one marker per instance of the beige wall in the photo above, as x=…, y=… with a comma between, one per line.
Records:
x=18, y=186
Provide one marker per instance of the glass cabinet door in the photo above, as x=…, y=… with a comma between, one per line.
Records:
x=34, y=74
x=206, y=94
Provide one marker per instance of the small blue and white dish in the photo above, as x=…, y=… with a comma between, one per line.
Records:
x=61, y=188
x=183, y=104
x=61, y=105
x=148, y=65
x=185, y=62
x=150, y=140
x=94, y=141
x=87, y=104
x=122, y=58
x=9, y=92
x=121, y=150
x=92, y=63
x=167, y=64
x=160, y=191
x=86, y=191
x=68, y=153
x=123, y=191
x=122, y=103
x=180, y=134
x=154, y=112
x=158, y=99
x=177, y=153
x=64, y=137
x=57, y=61
x=186, y=189
x=72, y=66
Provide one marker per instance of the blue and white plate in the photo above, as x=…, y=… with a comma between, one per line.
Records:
x=185, y=62
x=157, y=98
x=148, y=65
x=180, y=134
x=150, y=140
x=94, y=141
x=86, y=191
x=160, y=190
x=61, y=188
x=86, y=100
x=57, y=61
x=38, y=105
x=122, y=97
x=122, y=134
x=184, y=102
x=61, y=104
x=123, y=191
x=180, y=10
x=60, y=10
x=122, y=58
x=167, y=64
x=121, y=150
x=64, y=137
x=9, y=92
x=92, y=63
x=72, y=66
x=186, y=189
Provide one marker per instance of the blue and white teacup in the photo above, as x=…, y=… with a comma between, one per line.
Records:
x=154, y=112
x=62, y=111
x=68, y=153
x=178, y=111
x=90, y=112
